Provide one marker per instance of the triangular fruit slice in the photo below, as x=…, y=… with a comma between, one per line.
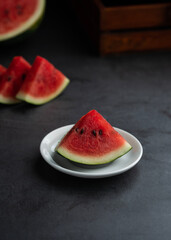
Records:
x=19, y=17
x=12, y=79
x=2, y=70
x=92, y=140
x=43, y=83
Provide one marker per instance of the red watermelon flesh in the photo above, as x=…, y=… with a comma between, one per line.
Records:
x=43, y=82
x=13, y=13
x=92, y=140
x=2, y=70
x=12, y=79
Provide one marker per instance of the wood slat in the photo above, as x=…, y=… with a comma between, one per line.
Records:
x=136, y=16
x=135, y=41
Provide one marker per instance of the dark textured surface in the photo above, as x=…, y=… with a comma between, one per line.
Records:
x=133, y=92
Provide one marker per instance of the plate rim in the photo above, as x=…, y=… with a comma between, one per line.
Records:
x=86, y=174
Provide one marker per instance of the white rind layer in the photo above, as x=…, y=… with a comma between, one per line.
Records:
x=37, y=101
x=8, y=100
x=91, y=160
x=26, y=25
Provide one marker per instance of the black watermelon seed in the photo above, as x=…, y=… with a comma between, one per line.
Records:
x=82, y=130
x=100, y=132
x=77, y=129
x=19, y=9
x=19, y=12
x=6, y=12
x=9, y=78
x=23, y=76
x=18, y=6
x=94, y=132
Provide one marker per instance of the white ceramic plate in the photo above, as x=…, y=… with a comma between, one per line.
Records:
x=120, y=165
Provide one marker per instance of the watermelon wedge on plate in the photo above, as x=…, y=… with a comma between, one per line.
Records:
x=19, y=17
x=43, y=83
x=92, y=140
x=12, y=80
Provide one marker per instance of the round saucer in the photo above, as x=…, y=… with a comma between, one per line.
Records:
x=120, y=165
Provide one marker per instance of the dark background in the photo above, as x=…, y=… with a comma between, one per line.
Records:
x=132, y=91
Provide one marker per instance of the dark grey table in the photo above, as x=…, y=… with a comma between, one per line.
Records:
x=133, y=92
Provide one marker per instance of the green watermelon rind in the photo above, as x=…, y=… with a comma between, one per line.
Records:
x=28, y=28
x=37, y=100
x=8, y=100
x=89, y=160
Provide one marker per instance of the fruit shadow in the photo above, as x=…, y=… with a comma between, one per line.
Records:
x=64, y=182
x=22, y=107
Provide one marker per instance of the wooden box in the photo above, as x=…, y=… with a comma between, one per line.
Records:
x=116, y=27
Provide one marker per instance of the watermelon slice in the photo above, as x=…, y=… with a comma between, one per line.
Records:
x=12, y=79
x=92, y=140
x=19, y=17
x=43, y=83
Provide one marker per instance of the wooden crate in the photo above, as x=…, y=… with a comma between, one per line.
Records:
x=120, y=28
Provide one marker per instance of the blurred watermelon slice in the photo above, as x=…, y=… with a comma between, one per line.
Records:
x=12, y=79
x=43, y=83
x=19, y=17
